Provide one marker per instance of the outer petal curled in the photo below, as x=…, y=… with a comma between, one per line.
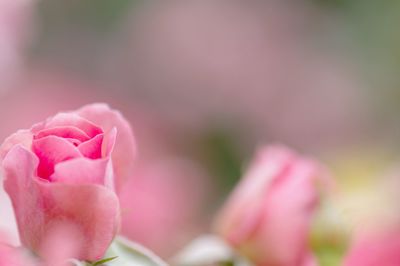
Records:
x=124, y=151
x=80, y=171
x=23, y=137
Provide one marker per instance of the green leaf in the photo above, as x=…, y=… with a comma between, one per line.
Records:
x=100, y=262
x=131, y=254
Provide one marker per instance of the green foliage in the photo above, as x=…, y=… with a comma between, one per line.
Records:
x=99, y=15
x=329, y=256
x=342, y=4
x=219, y=149
x=103, y=261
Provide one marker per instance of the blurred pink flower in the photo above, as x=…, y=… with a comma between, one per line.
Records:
x=78, y=155
x=375, y=248
x=269, y=214
x=161, y=203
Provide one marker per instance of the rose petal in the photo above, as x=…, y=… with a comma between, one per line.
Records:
x=72, y=119
x=75, y=142
x=92, y=148
x=70, y=132
x=288, y=212
x=243, y=212
x=82, y=171
x=109, y=142
x=51, y=150
x=124, y=151
x=23, y=137
x=19, y=166
x=93, y=209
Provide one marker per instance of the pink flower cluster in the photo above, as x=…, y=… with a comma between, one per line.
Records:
x=64, y=177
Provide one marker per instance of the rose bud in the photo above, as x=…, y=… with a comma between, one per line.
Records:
x=61, y=172
x=268, y=216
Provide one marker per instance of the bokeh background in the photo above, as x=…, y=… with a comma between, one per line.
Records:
x=204, y=83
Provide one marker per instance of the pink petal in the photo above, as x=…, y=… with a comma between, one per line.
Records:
x=288, y=210
x=63, y=241
x=70, y=132
x=19, y=166
x=243, y=212
x=109, y=142
x=82, y=171
x=51, y=150
x=72, y=119
x=124, y=151
x=75, y=142
x=23, y=137
x=41, y=207
x=92, y=148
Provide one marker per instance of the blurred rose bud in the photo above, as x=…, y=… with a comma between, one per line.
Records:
x=268, y=216
x=62, y=171
x=375, y=248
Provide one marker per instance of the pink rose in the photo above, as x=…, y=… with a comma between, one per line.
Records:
x=61, y=172
x=268, y=216
x=375, y=249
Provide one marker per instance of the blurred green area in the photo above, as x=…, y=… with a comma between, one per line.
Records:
x=218, y=149
x=372, y=28
x=329, y=256
x=98, y=15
